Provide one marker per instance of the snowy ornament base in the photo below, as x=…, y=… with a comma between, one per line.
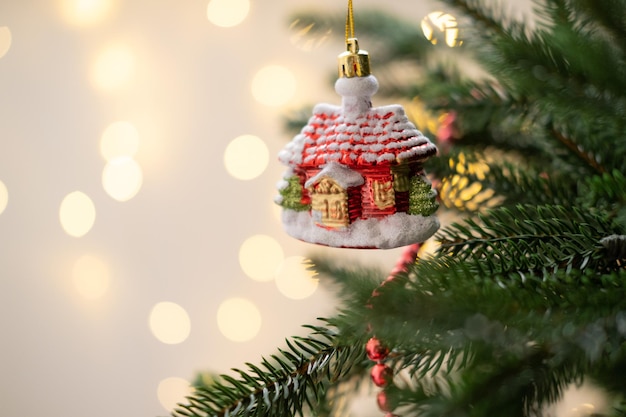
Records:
x=392, y=231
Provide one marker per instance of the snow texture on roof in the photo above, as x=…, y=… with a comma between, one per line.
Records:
x=382, y=135
x=395, y=230
x=343, y=175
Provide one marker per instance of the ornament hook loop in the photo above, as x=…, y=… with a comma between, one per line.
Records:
x=353, y=62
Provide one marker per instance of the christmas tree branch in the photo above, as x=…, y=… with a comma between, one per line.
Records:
x=611, y=15
x=531, y=239
x=292, y=380
x=576, y=149
x=555, y=91
x=491, y=18
x=531, y=338
x=486, y=344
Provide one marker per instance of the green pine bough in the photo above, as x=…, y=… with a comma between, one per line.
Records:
x=523, y=298
x=298, y=377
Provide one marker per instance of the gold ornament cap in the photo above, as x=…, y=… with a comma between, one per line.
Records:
x=354, y=62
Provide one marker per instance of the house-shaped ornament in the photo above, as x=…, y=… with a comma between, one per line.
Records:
x=355, y=174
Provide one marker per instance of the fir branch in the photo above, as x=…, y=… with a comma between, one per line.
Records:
x=556, y=80
x=491, y=18
x=555, y=12
x=569, y=44
x=566, y=328
x=607, y=193
x=578, y=151
x=610, y=15
x=488, y=328
x=530, y=239
x=523, y=182
x=517, y=387
x=571, y=332
x=290, y=381
x=584, y=133
x=486, y=116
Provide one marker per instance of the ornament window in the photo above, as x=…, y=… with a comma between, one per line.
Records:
x=383, y=194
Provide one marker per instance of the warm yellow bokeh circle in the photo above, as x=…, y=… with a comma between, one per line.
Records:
x=260, y=257
x=169, y=323
x=227, y=13
x=246, y=157
x=77, y=214
x=239, y=319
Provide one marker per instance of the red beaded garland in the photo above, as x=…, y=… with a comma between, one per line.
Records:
x=382, y=375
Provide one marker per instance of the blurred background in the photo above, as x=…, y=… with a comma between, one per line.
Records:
x=139, y=242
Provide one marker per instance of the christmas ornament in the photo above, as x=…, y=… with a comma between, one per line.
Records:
x=441, y=27
x=381, y=374
x=355, y=174
x=375, y=350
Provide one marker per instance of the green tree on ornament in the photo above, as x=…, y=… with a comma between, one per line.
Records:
x=422, y=198
x=291, y=195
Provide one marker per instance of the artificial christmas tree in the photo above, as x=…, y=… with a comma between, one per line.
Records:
x=526, y=295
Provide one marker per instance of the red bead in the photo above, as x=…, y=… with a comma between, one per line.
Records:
x=383, y=402
x=376, y=351
x=381, y=374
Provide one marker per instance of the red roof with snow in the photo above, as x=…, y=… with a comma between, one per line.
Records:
x=381, y=136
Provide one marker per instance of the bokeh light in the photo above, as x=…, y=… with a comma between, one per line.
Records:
x=169, y=323
x=260, y=256
x=246, y=157
x=122, y=178
x=91, y=277
x=5, y=40
x=239, y=319
x=77, y=214
x=113, y=67
x=227, y=13
x=120, y=138
x=307, y=35
x=464, y=190
x=4, y=197
x=274, y=85
x=295, y=279
x=441, y=27
x=172, y=391
x=86, y=12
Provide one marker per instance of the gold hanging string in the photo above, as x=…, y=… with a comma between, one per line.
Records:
x=349, y=22
x=353, y=62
